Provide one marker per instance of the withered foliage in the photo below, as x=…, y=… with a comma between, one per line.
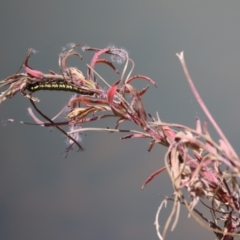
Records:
x=203, y=171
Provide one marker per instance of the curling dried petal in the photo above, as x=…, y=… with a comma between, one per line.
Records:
x=29, y=70
x=150, y=178
x=33, y=73
x=105, y=61
x=95, y=59
x=143, y=77
x=111, y=92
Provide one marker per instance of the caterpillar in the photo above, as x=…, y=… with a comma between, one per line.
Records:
x=57, y=86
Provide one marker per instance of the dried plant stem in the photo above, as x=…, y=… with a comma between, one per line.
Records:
x=202, y=104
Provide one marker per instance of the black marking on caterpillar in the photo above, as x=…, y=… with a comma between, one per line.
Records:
x=57, y=86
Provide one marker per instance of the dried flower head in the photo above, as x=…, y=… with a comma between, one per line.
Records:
x=207, y=171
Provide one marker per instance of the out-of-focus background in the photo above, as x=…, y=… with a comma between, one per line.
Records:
x=96, y=194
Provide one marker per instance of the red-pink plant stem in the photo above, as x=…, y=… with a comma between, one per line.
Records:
x=202, y=104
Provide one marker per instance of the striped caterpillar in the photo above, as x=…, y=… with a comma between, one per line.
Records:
x=57, y=86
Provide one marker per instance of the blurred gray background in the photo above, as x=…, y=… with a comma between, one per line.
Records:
x=96, y=194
